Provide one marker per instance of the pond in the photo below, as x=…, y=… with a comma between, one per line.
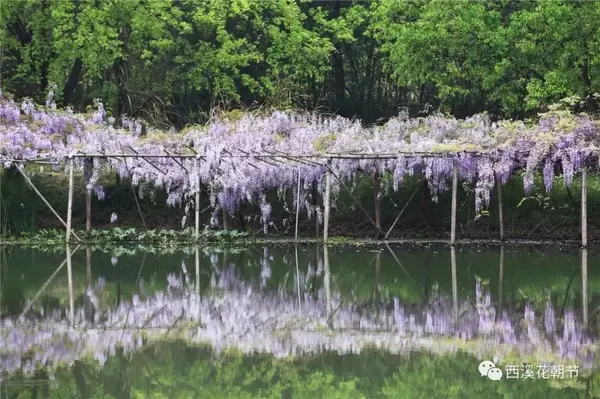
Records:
x=306, y=321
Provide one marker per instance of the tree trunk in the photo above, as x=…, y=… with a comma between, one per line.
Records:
x=337, y=63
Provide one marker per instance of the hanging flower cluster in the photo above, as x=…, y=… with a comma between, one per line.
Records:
x=235, y=159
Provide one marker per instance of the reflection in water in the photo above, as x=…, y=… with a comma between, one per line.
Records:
x=584, y=285
x=197, y=258
x=327, y=284
x=70, y=279
x=501, y=279
x=249, y=316
x=454, y=283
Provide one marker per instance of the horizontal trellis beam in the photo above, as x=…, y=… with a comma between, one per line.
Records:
x=372, y=156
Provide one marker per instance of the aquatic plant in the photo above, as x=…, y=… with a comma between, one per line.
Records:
x=118, y=235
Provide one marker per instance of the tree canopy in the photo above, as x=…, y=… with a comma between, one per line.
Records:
x=173, y=62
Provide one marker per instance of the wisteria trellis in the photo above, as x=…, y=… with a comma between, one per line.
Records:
x=229, y=151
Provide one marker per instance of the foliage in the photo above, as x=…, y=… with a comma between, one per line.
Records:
x=174, y=62
x=176, y=370
x=560, y=138
x=117, y=235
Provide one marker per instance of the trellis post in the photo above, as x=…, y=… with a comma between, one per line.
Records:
x=326, y=201
x=197, y=208
x=316, y=204
x=501, y=279
x=327, y=283
x=584, y=208
x=87, y=172
x=500, y=211
x=70, y=282
x=584, y=285
x=454, y=283
x=378, y=203
x=454, y=193
x=20, y=169
x=70, y=200
x=297, y=205
x=197, y=270
x=298, y=278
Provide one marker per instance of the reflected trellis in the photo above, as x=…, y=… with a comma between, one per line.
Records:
x=244, y=315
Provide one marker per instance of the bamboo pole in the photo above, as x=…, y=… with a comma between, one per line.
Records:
x=326, y=202
x=500, y=211
x=377, y=286
x=454, y=283
x=584, y=285
x=387, y=155
x=501, y=281
x=70, y=280
x=297, y=206
x=584, y=208
x=88, y=267
x=70, y=200
x=400, y=214
x=197, y=270
x=327, y=282
x=356, y=201
x=197, y=207
x=377, y=195
x=88, y=165
x=316, y=204
x=454, y=193
x=298, y=278
x=37, y=294
x=403, y=268
x=32, y=186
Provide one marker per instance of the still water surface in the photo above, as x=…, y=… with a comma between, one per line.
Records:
x=299, y=322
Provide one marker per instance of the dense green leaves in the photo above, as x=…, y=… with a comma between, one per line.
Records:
x=178, y=371
x=173, y=62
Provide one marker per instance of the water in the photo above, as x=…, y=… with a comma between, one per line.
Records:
x=254, y=322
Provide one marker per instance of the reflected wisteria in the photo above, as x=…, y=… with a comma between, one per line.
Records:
x=247, y=315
